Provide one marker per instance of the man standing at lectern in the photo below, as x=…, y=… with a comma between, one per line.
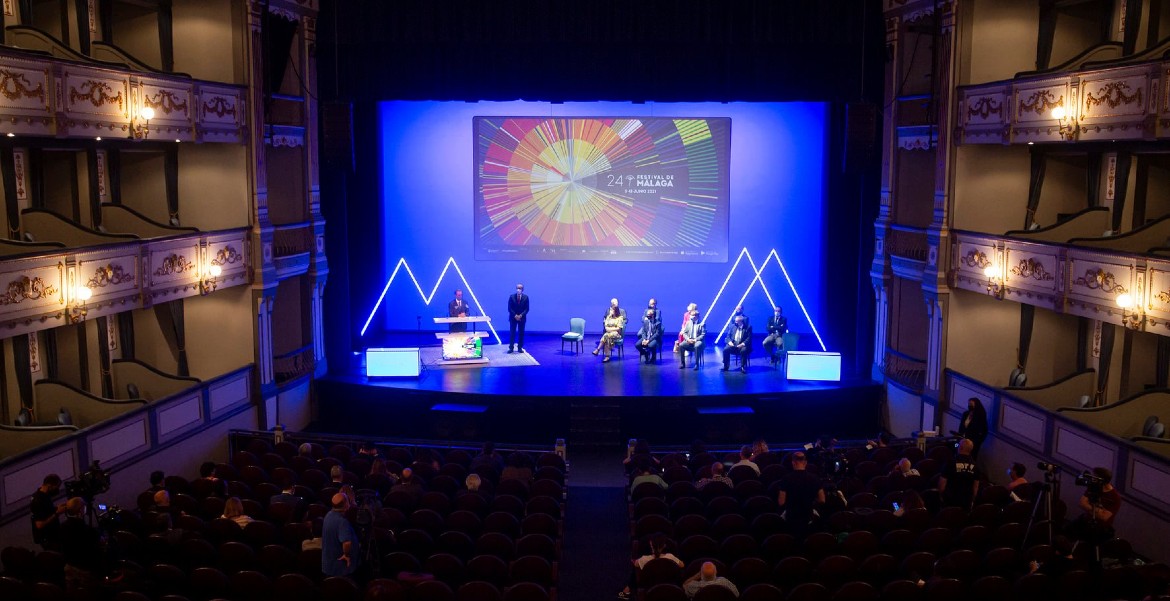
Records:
x=517, y=316
x=457, y=308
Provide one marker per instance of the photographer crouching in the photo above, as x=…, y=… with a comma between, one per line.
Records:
x=1100, y=504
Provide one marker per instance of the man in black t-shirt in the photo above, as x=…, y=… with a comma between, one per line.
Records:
x=958, y=483
x=45, y=525
x=800, y=492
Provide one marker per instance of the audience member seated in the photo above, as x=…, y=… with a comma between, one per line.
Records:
x=82, y=546
x=760, y=454
x=519, y=468
x=368, y=450
x=488, y=457
x=910, y=500
x=643, y=474
x=233, y=509
x=336, y=476
x=157, y=477
x=287, y=494
x=1016, y=477
x=716, y=476
x=217, y=487
x=706, y=576
x=658, y=543
x=641, y=454
x=904, y=468
x=409, y=484
x=745, y=458
x=958, y=483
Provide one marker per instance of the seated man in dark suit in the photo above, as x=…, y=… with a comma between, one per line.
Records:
x=693, y=334
x=777, y=327
x=649, y=336
x=739, y=342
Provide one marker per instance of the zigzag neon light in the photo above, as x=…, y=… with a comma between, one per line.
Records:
x=427, y=298
x=758, y=278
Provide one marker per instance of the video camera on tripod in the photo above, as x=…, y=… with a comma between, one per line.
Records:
x=90, y=484
x=1094, y=485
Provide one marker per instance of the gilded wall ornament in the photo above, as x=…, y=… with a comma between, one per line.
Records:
x=95, y=92
x=15, y=85
x=1099, y=279
x=1040, y=102
x=219, y=106
x=110, y=275
x=1031, y=268
x=1111, y=95
x=227, y=256
x=26, y=288
x=984, y=108
x=976, y=258
x=174, y=264
x=165, y=101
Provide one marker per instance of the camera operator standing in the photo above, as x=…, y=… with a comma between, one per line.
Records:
x=82, y=547
x=1100, y=504
x=46, y=527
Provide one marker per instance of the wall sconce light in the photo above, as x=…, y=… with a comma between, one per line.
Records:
x=1132, y=314
x=995, y=285
x=77, y=309
x=140, y=123
x=209, y=282
x=1067, y=122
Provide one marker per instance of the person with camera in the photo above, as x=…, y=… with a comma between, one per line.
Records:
x=1099, y=504
x=82, y=546
x=46, y=526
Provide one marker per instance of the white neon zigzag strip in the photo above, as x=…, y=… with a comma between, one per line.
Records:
x=427, y=299
x=759, y=277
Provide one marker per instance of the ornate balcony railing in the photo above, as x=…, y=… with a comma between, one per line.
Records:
x=292, y=239
x=907, y=242
x=293, y=364
x=906, y=371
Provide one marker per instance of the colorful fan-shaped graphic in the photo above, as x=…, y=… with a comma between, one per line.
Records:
x=592, y=188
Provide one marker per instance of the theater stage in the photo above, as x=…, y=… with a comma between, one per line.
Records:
x=588, y=402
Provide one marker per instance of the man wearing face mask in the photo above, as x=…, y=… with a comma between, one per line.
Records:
x=517, y=318
x=777, y=327
x=650, y=336
x=693, y=334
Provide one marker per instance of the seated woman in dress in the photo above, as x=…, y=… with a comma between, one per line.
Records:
x=613, y=332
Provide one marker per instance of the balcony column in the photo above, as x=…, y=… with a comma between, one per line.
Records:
x=263, y=300
x=936, y=313
x=317, y=312
x=879, y=271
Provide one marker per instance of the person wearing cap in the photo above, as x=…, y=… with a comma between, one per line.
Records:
x=340, y=553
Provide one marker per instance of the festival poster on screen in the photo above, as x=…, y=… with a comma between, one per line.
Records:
x=602, y=188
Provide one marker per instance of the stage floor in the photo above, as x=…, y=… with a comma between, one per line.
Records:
x=571, y=375
x=580, y=398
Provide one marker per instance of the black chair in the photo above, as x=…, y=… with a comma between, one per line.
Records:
x=659, y=571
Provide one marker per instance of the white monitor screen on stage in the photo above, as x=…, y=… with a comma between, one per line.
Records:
x=392, y=362
x=807, y=365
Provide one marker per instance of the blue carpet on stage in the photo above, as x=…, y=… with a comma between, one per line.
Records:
x=497, y=356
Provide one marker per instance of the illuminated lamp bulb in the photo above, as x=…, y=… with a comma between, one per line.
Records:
x=1124, y=300
x=82, y=293
x=214, y=271
x=989, y=271
x=146, y=113
x=1058, y=113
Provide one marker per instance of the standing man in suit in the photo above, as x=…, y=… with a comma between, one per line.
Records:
x=777, y=327
x=692, y=334
x=739, y=342
x=649, y=336
x=517, y=317
x=457, y=308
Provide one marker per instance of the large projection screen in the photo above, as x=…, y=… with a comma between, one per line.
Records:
x=601, y=188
